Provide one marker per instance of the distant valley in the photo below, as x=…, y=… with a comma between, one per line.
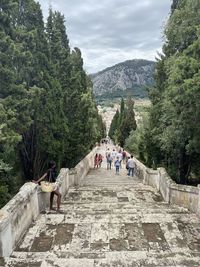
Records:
x=131, y=77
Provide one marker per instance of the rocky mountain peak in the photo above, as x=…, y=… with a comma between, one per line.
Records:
x=129, y=75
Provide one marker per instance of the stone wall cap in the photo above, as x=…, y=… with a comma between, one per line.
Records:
x=162, y=169
x=64, y=170
x=4, y=219
x=24, y=192
x=185, y=188
x=28, y=187
x=151, y=171
x=73, y=171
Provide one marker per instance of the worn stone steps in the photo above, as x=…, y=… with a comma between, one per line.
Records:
x=112, y=259
x=111, y=221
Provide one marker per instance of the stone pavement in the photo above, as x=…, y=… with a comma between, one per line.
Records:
x=111, y=221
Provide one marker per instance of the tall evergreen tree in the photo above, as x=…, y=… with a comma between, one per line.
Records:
x=114, y=126
x=175, y=114
x=47, y=109
x=128, y=123
x=123, y=122
x=122, y=110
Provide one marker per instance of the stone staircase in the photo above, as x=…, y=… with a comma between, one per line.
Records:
x=111, y=221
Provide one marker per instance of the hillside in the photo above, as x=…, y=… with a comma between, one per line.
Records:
x=131, y=77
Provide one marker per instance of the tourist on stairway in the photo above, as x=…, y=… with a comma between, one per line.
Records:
x=117, y=165
x=96, y=161
x=120, y=156
x=100, y=159
x=109, y=161
x=131, y=166
x=51, y=176
x=124, y=156
x=114, y=154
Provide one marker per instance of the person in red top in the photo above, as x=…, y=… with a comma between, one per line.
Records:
x=100, y=160
x=96, y=161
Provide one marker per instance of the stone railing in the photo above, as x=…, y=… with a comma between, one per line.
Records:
x=17, y=215
x=182, y=195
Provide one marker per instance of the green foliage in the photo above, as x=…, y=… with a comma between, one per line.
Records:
x=114, y=126
x=47, y=110
x=174, y=116
x=8, y=186
x=123, y=122
x=127, y=121
x=139, y=142
x=122, y=111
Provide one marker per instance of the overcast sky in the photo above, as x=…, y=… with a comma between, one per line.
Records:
x=112, y=31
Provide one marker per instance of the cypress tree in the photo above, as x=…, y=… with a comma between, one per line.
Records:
x=47, y=109
x=113, y=131
x=128, y=123
x=174, y=114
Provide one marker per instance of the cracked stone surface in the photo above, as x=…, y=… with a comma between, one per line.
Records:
x=109, y=221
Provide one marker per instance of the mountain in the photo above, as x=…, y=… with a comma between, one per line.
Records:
x=131, y=77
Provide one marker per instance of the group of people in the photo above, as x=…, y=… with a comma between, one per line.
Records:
x=98, y=160
x=111, y=157
x=118, y=158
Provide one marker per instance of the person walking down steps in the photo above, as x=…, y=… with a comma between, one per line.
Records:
x=117, y=165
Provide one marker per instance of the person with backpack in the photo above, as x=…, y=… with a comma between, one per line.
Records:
x=109, y=161
x=119, y=156
x=131, y=166
x=127, y=167
x=117, y=165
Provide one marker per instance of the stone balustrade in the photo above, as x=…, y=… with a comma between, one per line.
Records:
x=182, y=195
x=18, y=214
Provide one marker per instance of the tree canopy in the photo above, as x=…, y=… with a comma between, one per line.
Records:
x=123, y=122
x=47, y=109
x=174, y=122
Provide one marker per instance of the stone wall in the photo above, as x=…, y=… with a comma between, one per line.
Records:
x=17, y=215
x=83, y=167
x=182, y=195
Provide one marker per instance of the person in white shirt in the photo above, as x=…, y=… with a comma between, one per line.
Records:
x=131, y=166
x=113, y=154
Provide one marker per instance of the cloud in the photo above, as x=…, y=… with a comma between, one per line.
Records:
x=108, y=32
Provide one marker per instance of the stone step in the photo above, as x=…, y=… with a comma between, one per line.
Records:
x=109, y=194
x=111, y=259
x=61, y=234
x=121, y=207
x=50, y=263
x=122, y=218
